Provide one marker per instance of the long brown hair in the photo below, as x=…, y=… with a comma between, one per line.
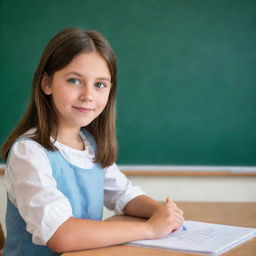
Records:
x=40, y=113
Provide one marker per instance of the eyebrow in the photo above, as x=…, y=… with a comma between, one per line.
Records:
x=78, y=74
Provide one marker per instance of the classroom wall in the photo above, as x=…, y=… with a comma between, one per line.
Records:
x=221, y=189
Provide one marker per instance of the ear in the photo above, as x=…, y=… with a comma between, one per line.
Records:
x=46, y=84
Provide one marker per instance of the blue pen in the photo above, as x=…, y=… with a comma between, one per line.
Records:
x=184, y=228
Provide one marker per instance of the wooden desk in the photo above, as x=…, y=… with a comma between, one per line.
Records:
x=237, y=214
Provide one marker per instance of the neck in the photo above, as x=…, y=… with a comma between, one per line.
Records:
x=71, y=138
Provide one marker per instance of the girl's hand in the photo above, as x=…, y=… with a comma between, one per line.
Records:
x=166, y=219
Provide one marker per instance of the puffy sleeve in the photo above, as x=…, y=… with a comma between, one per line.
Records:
x=33, y=190
x=118, y=190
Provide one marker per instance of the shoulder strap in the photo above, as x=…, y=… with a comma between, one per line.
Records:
x=90, y=138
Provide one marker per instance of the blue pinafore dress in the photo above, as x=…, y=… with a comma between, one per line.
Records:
x=84, y=189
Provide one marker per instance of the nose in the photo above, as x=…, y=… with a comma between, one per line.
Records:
x=86, y=93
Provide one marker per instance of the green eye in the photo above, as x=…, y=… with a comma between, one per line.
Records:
x=74, y=81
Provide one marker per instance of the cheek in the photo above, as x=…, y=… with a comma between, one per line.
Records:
x=62, y=98
x=104, y=100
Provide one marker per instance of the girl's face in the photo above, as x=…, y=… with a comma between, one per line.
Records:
x=80, y=90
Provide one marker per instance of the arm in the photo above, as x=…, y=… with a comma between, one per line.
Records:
x=78, y=234
x=33, y=190
x=123, y=197
x=142, y=206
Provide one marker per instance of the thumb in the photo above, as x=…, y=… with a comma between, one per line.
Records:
x=168, y=200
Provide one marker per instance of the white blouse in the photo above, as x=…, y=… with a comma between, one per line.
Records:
x=33, y=190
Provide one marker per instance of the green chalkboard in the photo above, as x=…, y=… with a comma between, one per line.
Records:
x=187, y=73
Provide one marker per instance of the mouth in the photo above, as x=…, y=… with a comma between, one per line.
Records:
x=84, y=110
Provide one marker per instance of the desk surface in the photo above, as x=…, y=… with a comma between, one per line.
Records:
x=237, y=214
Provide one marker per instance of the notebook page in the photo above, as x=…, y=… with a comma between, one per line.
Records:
x=202, y=237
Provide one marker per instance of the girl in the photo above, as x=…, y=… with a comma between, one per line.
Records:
x=61, y=158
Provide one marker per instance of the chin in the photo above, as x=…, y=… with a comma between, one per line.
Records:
x=85, y=123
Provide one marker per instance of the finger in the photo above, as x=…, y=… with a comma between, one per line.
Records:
x=180, y=221
x=178, y=217
x=168, y=200
x=179, y=211
x=172, y=207
x=174, y=204
x=176, y=208
x=177, y=224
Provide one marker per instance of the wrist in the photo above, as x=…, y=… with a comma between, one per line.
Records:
x=155, y=207
x=149, y=232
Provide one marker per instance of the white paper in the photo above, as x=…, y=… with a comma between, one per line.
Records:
x=202, y=237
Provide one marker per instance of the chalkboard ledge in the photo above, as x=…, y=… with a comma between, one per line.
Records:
x=168, y=170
